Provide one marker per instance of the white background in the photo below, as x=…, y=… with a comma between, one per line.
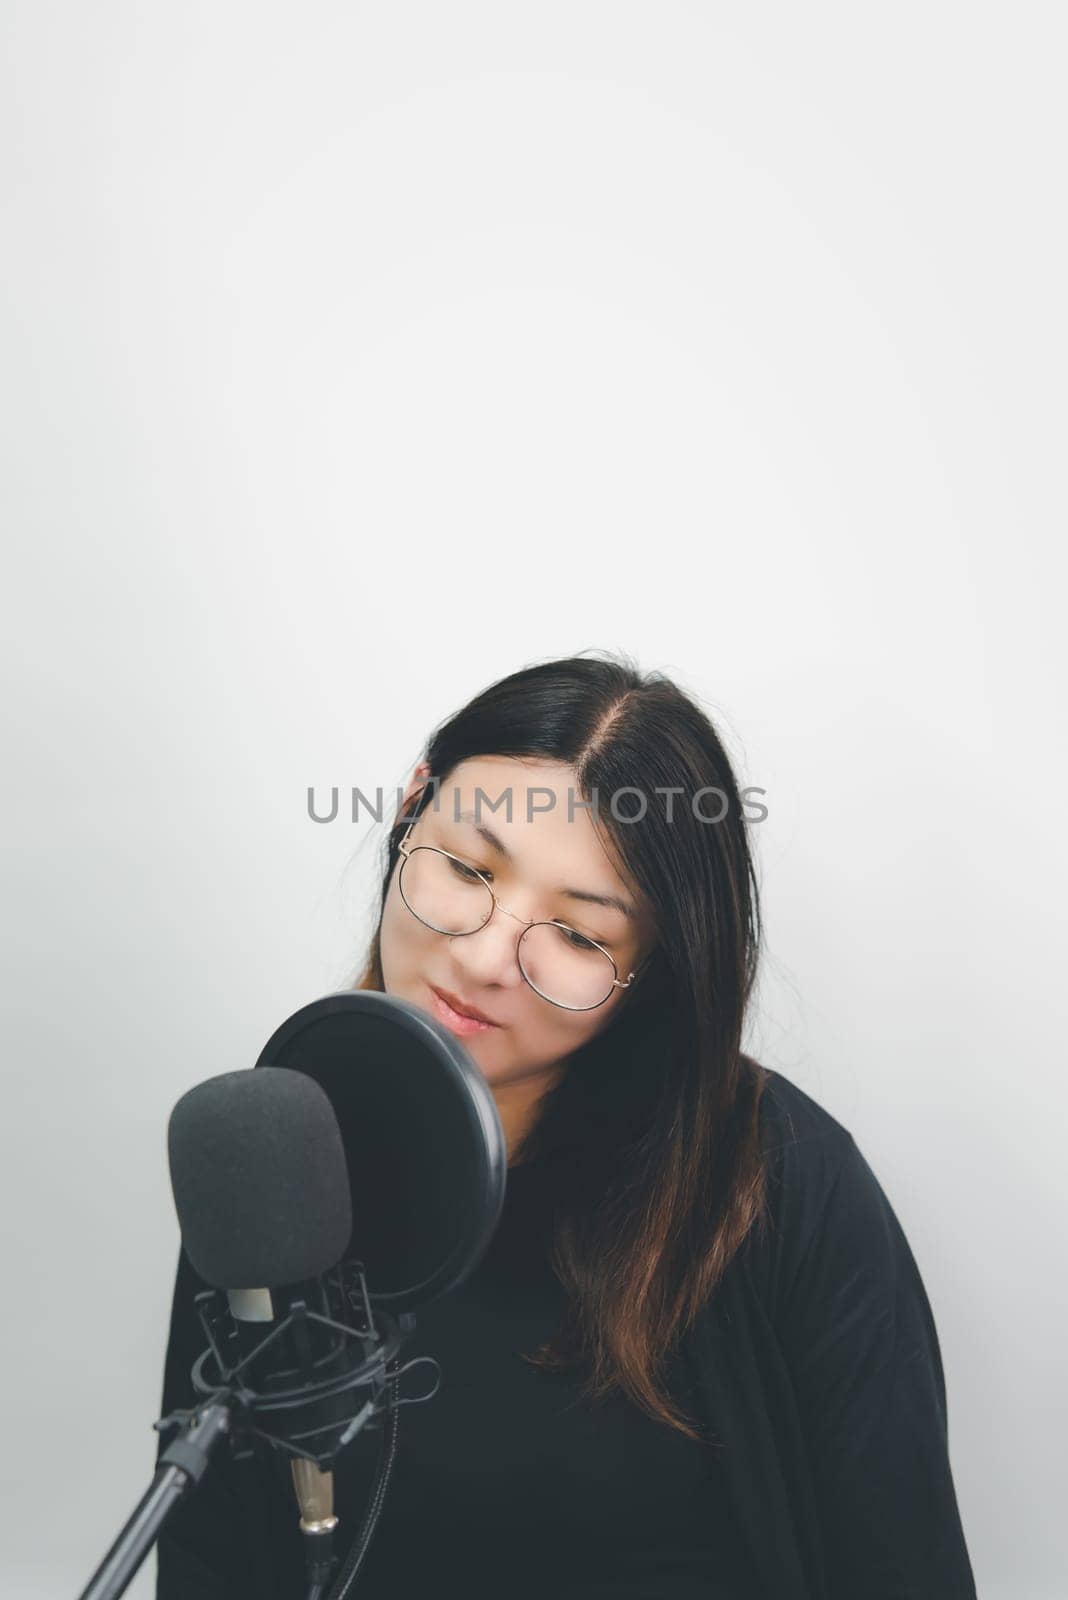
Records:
x=358, y=355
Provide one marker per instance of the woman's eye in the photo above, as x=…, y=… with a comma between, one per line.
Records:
x=579, y=940
x=468, y=874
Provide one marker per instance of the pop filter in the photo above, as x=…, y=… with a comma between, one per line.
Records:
x=426, y=1152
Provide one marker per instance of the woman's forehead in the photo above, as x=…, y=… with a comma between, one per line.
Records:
x=526, y=805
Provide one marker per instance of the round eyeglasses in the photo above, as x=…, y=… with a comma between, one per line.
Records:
x=562, y=965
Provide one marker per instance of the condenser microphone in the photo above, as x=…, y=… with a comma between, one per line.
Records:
x=260, y=1181
x=355, y=1175
x=262, y=1193
x=260, y=1186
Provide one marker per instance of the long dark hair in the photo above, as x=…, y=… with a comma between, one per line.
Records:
x=662, y=1103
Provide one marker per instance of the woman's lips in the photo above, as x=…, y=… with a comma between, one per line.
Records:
x=453, y=1019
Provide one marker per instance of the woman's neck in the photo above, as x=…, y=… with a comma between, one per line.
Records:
x=519, y=1104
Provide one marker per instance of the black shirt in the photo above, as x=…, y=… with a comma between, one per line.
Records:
x=816, y=1369
x=509, y=1481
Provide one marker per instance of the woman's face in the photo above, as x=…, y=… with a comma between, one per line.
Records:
x=548, y=853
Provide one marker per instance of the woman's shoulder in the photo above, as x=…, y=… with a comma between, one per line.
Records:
x=825, y=1205
x=787, y=1112
x=808, y=1154
x=798, y=1135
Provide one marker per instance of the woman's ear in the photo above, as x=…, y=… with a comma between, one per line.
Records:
x=415, y=783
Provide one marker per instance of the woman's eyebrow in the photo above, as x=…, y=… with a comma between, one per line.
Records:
x=612, y=901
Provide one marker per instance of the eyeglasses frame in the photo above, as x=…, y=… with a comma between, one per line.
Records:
x=407, y=851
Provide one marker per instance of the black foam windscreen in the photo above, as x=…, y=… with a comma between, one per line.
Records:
x=259, y=1178
x=423, y=1141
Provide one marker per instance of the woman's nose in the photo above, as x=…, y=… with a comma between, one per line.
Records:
x=491, y=955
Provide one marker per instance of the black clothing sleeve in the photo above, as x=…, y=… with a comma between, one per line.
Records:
x=859, y=1339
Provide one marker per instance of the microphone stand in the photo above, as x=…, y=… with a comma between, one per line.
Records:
x=232, y=1408
x=180, y=1468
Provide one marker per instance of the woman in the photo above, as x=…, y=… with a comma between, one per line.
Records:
x=698, y=1357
